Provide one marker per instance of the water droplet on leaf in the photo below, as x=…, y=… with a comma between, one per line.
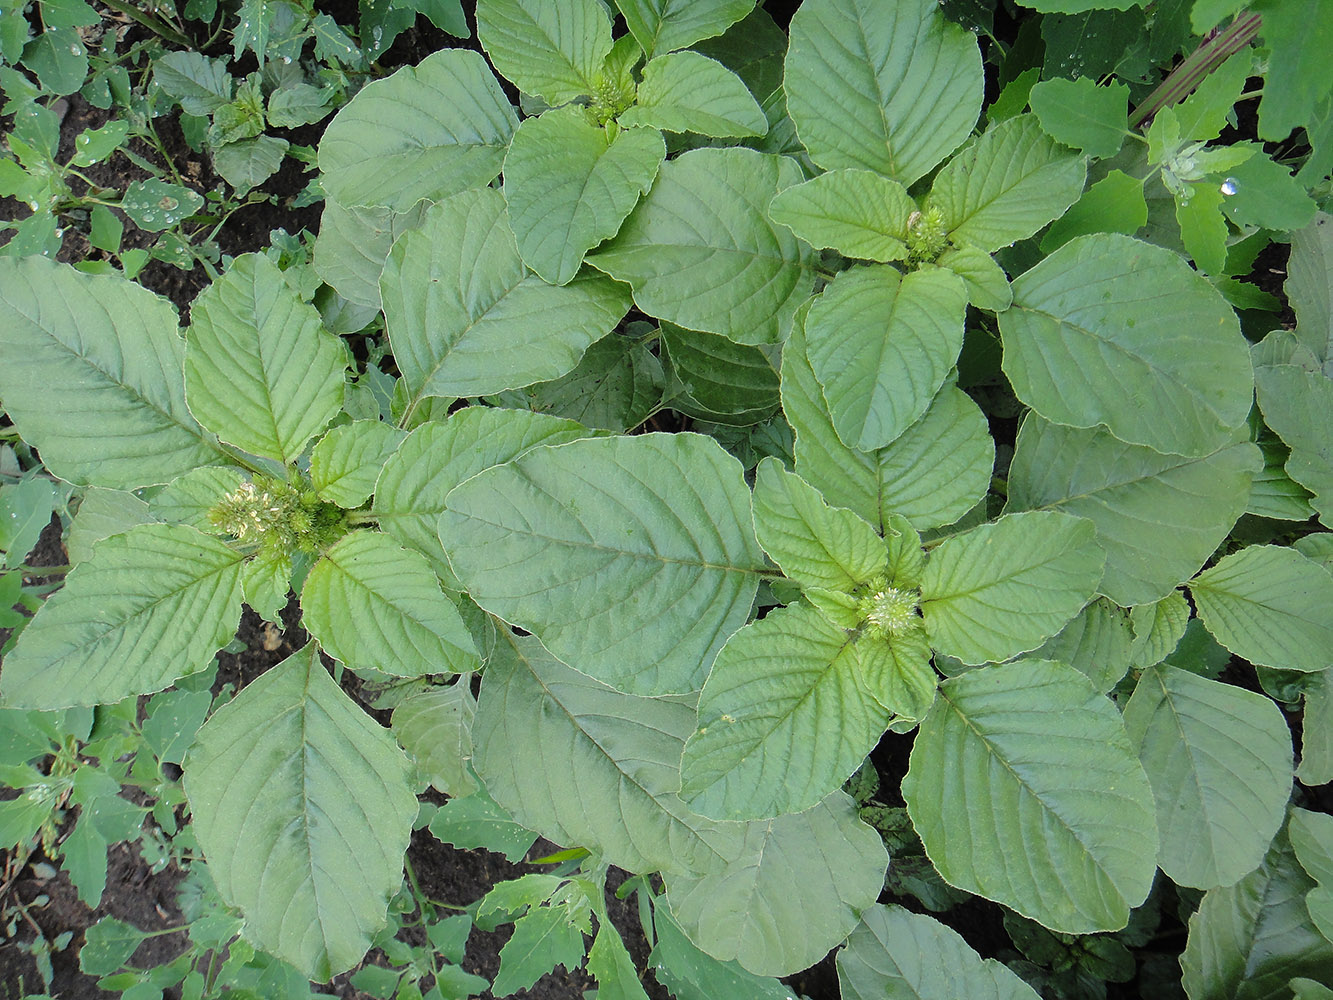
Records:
x=1230, y=186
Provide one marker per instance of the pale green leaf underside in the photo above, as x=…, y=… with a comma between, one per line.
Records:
x=260, y=370
x=353, y=244
x=859, y=213
x=933, y=474
x=1006, y=185
x=881, y=345
x=1097, y=642
x=304, y=809
x=1219, y=762
x=1270, y=605
x=1309, y=288
x=632, y=558
x=437, y=456
x=795, y=890
x=665, y=25
x=987, y=284
x=688, y=92
x=888, y=88
x=103, y=513
x=435, y=727
x=568, y=189
x=427, y=131
x=465, y=317
x=92, y=377
x=1003, y=588
x=554, y=51
x=1159, y=517
x=1109, y=330
x=346, y=461
x=895, y=954
x=116, y=628
x=1025, y=790
x=700, y=250
x=377, y=606
x=1298, y=406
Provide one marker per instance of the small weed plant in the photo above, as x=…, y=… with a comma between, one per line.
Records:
x=744, y=400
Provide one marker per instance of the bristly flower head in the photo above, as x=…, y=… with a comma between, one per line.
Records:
x=278, y=517
x=888, y=612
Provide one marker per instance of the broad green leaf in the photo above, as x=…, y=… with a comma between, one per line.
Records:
x=427, y=131
x=585, y=764
x=1219, y=762
x=260, y=370
x=815, y=544
x=1309, y=287
x=553, y=51
x=1274, y=493
x=1159, y=517
x=1081, y=114
x=1269, y=605
x=688, y=92
x=1109, y=330
x=986, y=283
x=1203, y=229
x=189, y=498
x=665, y=25
x=1308, y=989
x=1247, y=940
x=692, y=974
x=116, y=628
x=1312, y=840
x=610, y=963
x=700, y=250
x=716, y=379
x=1206, y=14
x=794, y=891
x=108, y=945
x=1262, y=192
x=569, y=186
x=633, y=558
x=1097, y=642
x=785, y=717
x=933, y=474
x=103, y=513
x=856, y=212
x=1006, y=185
x=543, y=939
x=894, y=90
x=304, y=808
x=346, y=461
x=465, y=316
x=25, y=511
x=299, y=104
x=1158, y=628
x=1079, y=6
x=895, y=954
x=265, y=581
x=377, y=606
x=437, y=456
x=1298, y=406
x=477, y=821
x=1003, y=588
x=435, y=728
x=881, y=345
x=1296, y=81
x=92, y=377
x=200, y=84
x=353, y=244
x=1316, y=767
x=1024, y=789
x=1114, y=204
x=249, y=162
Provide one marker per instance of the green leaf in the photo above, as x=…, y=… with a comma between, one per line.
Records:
x=303, y=807
x=1219, y=761
x=1024, y=788
x=1081, y=114
x=435, y=728
x=353, y=244
x=59, y=58
x=987, y=284
x=1202, y=226
x=1159, y=517
x=103, y=513
x=881, y=346
x=543, y=938
x=688, y=92
x=610, y=963
x=1316, y=767
x=632, y=558
x=346, y=461
x=25, y=511
x=1108, y=330
x=465, y=317
x=1115, y=204
x=1249, y=939
x=476, y=821
x=250, y=162
x=92, y=377
x=428, y=131
x=155, y=205
x=897, y=955
x=785, y=717
x=934, y=473
x=1206, y=14
x=892, y=92
x=856, y=212
x=1078, y=6
x=1006, y=185
x=700, y=250
x=1097, y=642
x=1312, y=840
x=201, y=85
x=718, y=379
x=692, y=974
x=437, y=456
x=377, y=606
x=815, y=544
x=1269, y=605
x=795, y=890
x=1265, y=194
x=188, y=498
x=665, y=25
x=554, y=52
x=1158, y=628
x=1297, y=81
x=1003, y=588
x=1308, y=989
x=1309, y=287
x=297, y=105
x=115, y=629
x=83, y=855
x=569, y=186
x=108, y=945
x=260, y=370
x=1298, y=406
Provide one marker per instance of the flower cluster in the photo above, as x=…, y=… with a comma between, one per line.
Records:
x=277, y=517
x=888, y=611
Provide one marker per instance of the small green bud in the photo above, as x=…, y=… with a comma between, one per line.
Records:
x=889, y=612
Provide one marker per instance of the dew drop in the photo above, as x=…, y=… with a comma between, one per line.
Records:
x=287, y=60
x=1230, y=186
x=74, y=50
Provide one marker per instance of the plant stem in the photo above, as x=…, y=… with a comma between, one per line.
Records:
x=1202, y=61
